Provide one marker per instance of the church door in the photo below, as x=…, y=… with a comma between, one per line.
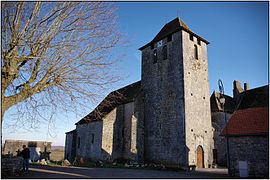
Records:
x=200, y=157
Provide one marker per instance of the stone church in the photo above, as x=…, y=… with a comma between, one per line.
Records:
x=164, y=118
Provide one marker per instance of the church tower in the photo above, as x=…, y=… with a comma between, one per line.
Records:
x=177, y=120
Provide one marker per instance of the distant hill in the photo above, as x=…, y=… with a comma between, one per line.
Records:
x=58, y=147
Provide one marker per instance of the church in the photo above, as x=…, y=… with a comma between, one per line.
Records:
x=164, y=118
x=169, y=117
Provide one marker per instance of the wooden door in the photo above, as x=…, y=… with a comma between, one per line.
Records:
x=200, y=157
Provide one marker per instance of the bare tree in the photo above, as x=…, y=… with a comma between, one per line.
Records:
x=56, y=54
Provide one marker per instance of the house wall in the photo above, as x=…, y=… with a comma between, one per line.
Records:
x=162, y=82
x=252, y=149
x=198, y=129
x=218, y=123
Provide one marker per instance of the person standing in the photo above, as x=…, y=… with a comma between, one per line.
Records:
x=26, y=156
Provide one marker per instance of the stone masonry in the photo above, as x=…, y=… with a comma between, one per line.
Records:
x=168, y=119
x=254, y=150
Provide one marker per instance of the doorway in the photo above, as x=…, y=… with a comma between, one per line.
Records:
x=200, y=159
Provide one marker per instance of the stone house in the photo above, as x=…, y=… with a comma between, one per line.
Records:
x=242, y=99
x=164, y=118
x=248, y=134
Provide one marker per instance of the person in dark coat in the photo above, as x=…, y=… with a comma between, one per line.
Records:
x=26, y=156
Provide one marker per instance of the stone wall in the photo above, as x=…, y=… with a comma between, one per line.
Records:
x=89, y=140
x=112, y=138
x=109, y=139
x=198, y=128
x=162, y=82
x=11, y=166
x=35, y=147
x=218, y=123
x=137, y=131
x=128, y=113
x=252, y=149
x=94, y=140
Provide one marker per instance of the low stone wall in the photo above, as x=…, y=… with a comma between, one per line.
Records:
x=11, y=165
x=252, y=150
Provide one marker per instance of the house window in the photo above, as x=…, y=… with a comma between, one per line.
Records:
x=195, y=51
x=155, y=56
x=199, y=41
x=164, y=52
x=79, y=142
x=169, y=38
x=93, y=137
x=191, y=37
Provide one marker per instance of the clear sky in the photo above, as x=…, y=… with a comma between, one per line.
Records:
x=237, y=31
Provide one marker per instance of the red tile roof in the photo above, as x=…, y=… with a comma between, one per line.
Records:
x=248, y=121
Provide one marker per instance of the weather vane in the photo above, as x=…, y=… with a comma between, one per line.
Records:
x=178, y=12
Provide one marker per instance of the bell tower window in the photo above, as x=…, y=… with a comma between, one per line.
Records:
x=195, y=51
x=191, y=37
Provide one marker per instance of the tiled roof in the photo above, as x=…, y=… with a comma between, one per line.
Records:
x=257, y=97
x=175, y=25
x=114, y=99
x=248, y=122
x=216, y=106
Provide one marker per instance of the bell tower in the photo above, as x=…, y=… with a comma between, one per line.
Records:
x=175, y=81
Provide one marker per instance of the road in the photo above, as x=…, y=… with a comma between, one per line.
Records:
x=47, y=172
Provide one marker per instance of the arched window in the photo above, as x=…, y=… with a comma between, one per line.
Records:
x=155, y=56
x=164, y=52
x=195, y=51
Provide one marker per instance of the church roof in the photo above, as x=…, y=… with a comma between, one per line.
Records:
x=71, y=132
x=114, y=99
x=251, y=121
x=175, y=25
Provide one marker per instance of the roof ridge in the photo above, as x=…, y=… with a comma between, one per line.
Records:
x=173, y=26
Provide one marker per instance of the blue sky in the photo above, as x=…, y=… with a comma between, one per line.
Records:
x=237, y=31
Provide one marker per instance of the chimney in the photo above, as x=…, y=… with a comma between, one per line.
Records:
x=246, y=86
x=237, y=89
